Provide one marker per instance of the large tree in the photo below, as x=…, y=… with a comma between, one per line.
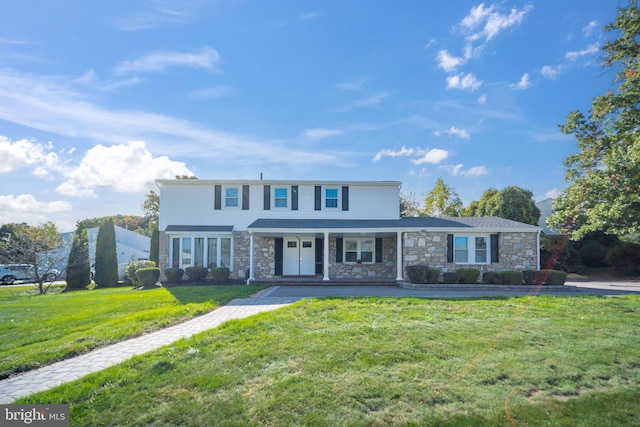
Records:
x=604, y=175
x=106, y=267
x=39, y=246
x=442, y=200
x=512, y=203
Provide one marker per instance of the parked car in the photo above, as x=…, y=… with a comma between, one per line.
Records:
x=10, y=273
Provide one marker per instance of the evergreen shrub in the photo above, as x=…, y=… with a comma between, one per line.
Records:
x=468, y=275
x=220, y=274
x=196, y=273
x=132, y=267
x=511, y=277
x=554, y=277
x=418, y=273
x=535, y=277
x=624, y=258
x=491, y=278
x=148, y=276
x=450, y=277
x=174, y=275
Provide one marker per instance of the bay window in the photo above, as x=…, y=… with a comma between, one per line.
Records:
x=191, y=251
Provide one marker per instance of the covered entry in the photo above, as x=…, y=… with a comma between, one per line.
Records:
x=299, y=256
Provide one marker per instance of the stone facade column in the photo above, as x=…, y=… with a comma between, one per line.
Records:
x=251, y=272
x=325, y=258
x=399, y=255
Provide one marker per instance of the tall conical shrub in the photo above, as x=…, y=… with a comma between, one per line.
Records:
x=154, y=250
x=106, y=268
x=78, y=268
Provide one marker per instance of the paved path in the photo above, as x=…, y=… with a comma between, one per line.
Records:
x=269, y=299
x=71, y=369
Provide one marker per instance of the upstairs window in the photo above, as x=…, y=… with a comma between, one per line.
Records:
x=331, y=198
x=281, y=198
x=231, y=197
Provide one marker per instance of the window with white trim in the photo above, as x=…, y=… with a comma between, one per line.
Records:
x=471, y=249
x=231, y=197
x=280, y=198
x=193, y=251
x=331, y=198
x=359, y=251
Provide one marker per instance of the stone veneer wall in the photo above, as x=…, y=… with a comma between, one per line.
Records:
x=380, y=270
x=517, y=251
x=163, y=254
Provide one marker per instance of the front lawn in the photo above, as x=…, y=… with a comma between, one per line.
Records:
x=40, y=329
x=572, y=361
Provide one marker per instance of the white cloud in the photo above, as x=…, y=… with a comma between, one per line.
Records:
x=486, y=23
x=523, y=84
x=125, y=168
x=464, y=81
x=50, y=104
x=307, y=16
x=482, y=99
x=23, y=153
x=473, y=171
x=25, y=208
x=153, y=18
x=587, y=30
x=454, y=131
x=550, y=72
x=433, y=156
x=404, y=151
x=351, y=86
x=207, y=59
x=320, y=133
x=589, y=50
x=448, y=62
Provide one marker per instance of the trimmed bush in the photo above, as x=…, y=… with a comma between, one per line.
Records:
x=468, y=275
x=132, y=267
x=554, y=277
x=593, y=254
x=220, y=274
x=418, y=273
x=624, y=258
x=196, y=273
x=174, y=275
x=534, y=277
x=148, y=276
x=434, y=275
x=491, y=278
x=450, y=277
x=511, y=277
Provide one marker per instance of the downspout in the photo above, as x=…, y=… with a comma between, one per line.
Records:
x=251, y=277
x=538, y=249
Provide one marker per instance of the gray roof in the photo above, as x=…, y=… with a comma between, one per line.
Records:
x=402, y=223
x=203, y=228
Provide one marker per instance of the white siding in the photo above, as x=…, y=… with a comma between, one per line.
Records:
x=185, y=204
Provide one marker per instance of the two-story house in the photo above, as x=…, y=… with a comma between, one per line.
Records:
x=332, y=230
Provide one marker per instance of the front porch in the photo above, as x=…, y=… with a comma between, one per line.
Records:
x=319, y=281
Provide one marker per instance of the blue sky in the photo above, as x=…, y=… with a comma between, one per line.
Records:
x=98, y=99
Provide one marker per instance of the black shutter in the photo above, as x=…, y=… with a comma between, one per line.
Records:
x=217, y=200
x=245, y=197
x=318, y=204
x=494, y=249
x=345, y=198
x=379, y=249
x=319, y=255
x=294, y=197
x=338, y=249
x=267, y=197
x=449, y=247
x=279, y=255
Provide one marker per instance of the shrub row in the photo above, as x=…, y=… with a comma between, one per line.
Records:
x=197, y=274
x=424, y=274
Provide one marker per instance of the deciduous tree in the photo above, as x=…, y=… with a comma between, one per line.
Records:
x=443, y=200
x=604, y=175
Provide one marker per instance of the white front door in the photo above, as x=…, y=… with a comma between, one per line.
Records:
x=299, y=258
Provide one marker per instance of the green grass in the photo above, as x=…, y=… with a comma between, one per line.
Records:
x=528, y=361
x=40, y=329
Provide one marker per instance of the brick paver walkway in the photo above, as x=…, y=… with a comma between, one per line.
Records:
x=71, y=369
